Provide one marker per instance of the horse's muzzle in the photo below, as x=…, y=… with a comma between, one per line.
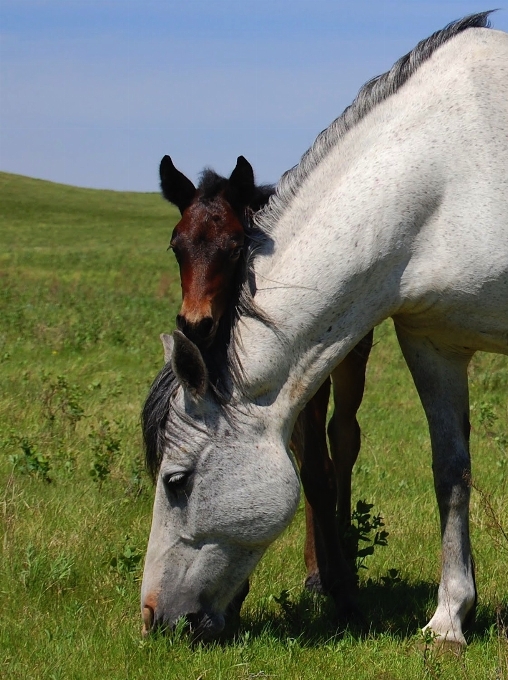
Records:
x=201, y=627
x=201, y=333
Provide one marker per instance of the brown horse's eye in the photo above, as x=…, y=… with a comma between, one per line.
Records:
x=235, y=253
x=175, y=251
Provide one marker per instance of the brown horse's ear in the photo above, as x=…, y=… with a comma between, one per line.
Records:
x=188, y=365
x=176, y=188
x=241, y=183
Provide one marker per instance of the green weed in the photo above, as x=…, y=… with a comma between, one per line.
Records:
x=31, y=461
x=365, y=530
x=61, y=401
x=105, y=446
x=127, y=562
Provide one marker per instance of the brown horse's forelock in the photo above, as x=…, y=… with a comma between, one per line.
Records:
x=210, y=184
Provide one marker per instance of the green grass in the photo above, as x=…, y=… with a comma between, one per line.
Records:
x=86, y=286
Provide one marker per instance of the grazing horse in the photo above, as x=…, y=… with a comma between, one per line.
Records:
x=399, y=209
x=209, y=243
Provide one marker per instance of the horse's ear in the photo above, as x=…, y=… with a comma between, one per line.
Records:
x=168, y=344
x=241, y=183
x=176, y=188
x=188, y=365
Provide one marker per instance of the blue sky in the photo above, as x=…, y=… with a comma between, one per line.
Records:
x=94, y=93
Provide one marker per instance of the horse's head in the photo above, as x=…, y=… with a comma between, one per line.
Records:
x=224, y=492
x=208, y=241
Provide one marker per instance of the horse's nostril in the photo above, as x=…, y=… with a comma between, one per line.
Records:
x=193, y=620
x=200, y=332
x=205, y=327
x=205, y=627
x=148, y=617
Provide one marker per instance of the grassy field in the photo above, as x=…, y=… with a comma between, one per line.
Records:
x=86, y=286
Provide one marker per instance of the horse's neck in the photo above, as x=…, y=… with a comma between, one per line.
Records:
x=340, y=249
x=333, y=275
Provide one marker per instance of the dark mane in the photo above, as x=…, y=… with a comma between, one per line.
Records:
x=372, y=93
x=221, y=359
x=262, y=196
x=154, y=416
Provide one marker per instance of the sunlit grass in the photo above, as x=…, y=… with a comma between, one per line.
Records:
x=86, y=286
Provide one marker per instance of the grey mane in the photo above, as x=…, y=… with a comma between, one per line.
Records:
x=370, y=95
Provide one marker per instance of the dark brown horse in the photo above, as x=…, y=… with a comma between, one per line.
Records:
x=209, y=243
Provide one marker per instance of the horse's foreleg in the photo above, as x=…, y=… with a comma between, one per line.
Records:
x=318, y=481
x=440, y=376
x=327, y=570
x=348, y=381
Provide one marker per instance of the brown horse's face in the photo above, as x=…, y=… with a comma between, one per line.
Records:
x=207, y=243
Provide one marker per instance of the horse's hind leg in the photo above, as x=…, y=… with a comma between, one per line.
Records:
x=327, y=570
x=440, y=376
x=348, y=381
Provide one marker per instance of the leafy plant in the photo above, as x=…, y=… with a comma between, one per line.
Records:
x=291, y=609
x=105, y=445
x=365, y=529
x=137, y=479
x=391, y=578
x=487, y=416
x=126, y=562
x=62, y=400
x=284, y=602
x=32, y=461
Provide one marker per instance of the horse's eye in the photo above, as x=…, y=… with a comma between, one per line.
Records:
x=235, y=253
x=175, y=251
x=176, y=481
